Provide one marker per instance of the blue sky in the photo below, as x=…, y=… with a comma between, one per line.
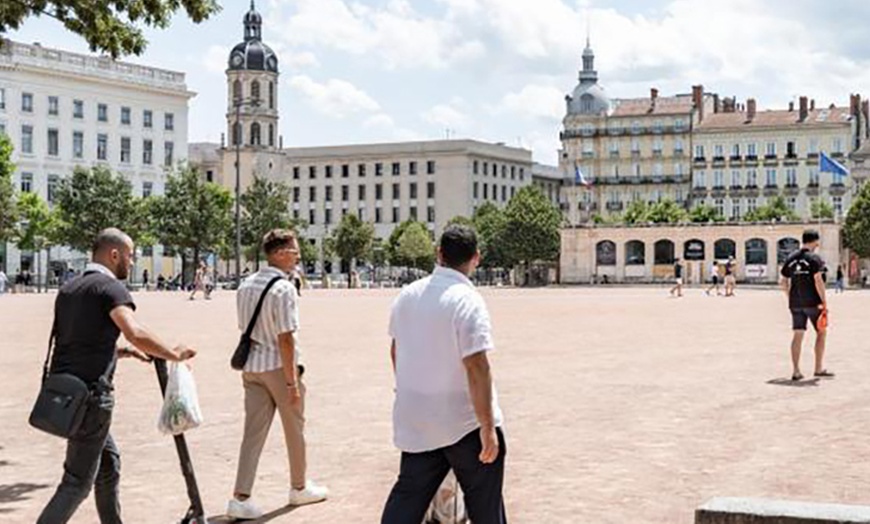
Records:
x=498, y=70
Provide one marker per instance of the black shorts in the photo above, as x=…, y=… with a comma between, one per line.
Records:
x=799, y=317
x=715, y=280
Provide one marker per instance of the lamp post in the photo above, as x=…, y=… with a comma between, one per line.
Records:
x=237, y=135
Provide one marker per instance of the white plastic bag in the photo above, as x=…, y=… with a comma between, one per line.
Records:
x=180, y=404
x=448, y=506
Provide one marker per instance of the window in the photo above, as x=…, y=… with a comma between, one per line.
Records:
x=699, y=151
x=295, y=172
x=312, y=172
x=504, y=193
x=52, y=187
x=736, y=212
x=125, y=116
x=397, y=169
x=147, y=152
x=255, y=91
x=430, y=214
x=102, y=147
x=771, y=178
x=271, y=135
x=679, y=125
x=735, y=151
x=635, y=146
x=78, y=109
x=102, y=112
x=396, y=192
x=312, y=194
x=328, y=196
x=27, y=139
x=413, y=190
x=169, y=122
x=485, y=169
x=26, y=182
x=361, y=193
x=657, y=146
x=209, y=176
x=718, y=151
x=147, y=119
x=53, y=143
x=311, y=217
x=237, y=90
x=255, y=134
x=485, y=191
x=412, y=168
x=271, y=95
x=752, y=178
x=412, y=213
x=504, y=171
x=678, y=169
x=791, y=177
x=771, y=149
x=27, y=102
x=147, y=189
x=328, y=171
x=522, y=174
x=379, y=191
x=700, y=179
x=635, y=127
x=378, y=215
x=719, y=205
x=78, y=144
x=379, y=169
x=658, y=169
x=125, y=150
x=751, y=205
x=2, y=98
x=838, y=145
x=751, y=150
x=361, y=213
x=792, y=203
x=395, y=215
x=790, y=150
x=430, y=168
x=237, y=133
x=345, y=170
x=814, y=177
x=494, y=193
x=838, y=205
x=475, y=190
x=168, y=153
x=361, y=170
x=735, y=179
x=430, y=190
x=296, y=192
x=475, y=167
x=327, y=216
x=53, y=106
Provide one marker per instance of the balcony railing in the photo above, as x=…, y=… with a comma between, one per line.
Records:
x=614, y=206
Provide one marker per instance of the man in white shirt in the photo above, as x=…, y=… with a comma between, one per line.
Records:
x=272, y=376
x=446, y=412
x=3, y=281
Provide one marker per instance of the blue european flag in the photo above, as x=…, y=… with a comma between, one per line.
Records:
x=829, y=165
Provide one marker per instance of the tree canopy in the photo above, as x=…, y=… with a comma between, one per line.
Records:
x=416, y=247
x=531, y=229
x=856, y=230
x=775, y=210
x=38, y=226
x=353, y=238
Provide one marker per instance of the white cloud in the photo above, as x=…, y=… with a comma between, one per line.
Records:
x=381, y=120
x=536, y=101
x=215, y=59
x=446, y=116
x=335, y=98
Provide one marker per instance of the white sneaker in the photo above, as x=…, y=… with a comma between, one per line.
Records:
x=310, y=495
x=244, y=510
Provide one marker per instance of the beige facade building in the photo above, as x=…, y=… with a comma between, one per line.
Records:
x=647, y=253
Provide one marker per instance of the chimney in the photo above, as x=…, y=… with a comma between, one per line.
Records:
x=791, y=107
x=698, y=100
x=653, y=93
x=854, y=104
x=804, y=112
x=865, y=109
x=716, y=106
x=280, y=141
x=223, y=140
x=813, y=104
x=750, y=110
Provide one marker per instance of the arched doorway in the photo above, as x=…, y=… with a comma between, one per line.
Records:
x=756, y=259
x=724, y=248
x=605, y=261
x=694, y=255
x=635, y=259
x=664, y=256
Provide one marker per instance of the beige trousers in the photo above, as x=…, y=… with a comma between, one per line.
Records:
x=265, y=392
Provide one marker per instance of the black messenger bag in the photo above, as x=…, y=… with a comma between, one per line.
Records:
x=240, y=355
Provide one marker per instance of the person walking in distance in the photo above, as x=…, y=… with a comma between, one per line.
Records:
x=273, y=376
x=446, y=413
x=198, y=281
x=89, y=313
x=803, y=282
x=841, y=279
x=714, y=279
x=677, y=290
x=730, y=279
x=145, y=276
x=4, y=280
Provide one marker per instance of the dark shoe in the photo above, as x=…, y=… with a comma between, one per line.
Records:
x=824, y=374
x=797, y=377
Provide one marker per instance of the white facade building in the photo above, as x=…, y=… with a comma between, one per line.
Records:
x=63, y=110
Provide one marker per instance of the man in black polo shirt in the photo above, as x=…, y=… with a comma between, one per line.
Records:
x=89, y=313
x=803, y=282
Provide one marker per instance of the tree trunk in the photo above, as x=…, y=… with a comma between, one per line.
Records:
x=183, y=279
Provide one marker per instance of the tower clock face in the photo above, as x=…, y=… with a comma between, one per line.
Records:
x=238, y=59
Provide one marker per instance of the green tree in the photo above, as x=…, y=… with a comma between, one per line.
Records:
x=415, y=246
x=775, y=210
x=703, y=214
x=666, y=212
x=461, y=220
x=637, y=212
x=821, y=209
x=393, y=254
x=265, y=206
x=531, y=229
x=92, y=200
x=856, y=229
x=307, y=251
x=489, y=221
x=193, y=216
x=7, y=191
x=114, y=27
x=353, y=240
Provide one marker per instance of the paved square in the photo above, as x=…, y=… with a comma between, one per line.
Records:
x=622, y=406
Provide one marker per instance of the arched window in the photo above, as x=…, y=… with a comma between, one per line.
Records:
x=237, y=90
x=694, y=250
x=664, y=252
x=255, y=134
x=724, y=248
x=756, y=252
x=785, y=247
x=271, y=135
x=237, y=134
x=271, y=95
x=586, y=103
x=635, y=253
x=255, y=90
x=605, y=253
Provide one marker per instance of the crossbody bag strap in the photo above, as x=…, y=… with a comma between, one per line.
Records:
x=254, y=318
x=47, y=365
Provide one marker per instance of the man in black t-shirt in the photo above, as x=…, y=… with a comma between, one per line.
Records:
x=678, y=279
x=90, y=312
x=803, y=282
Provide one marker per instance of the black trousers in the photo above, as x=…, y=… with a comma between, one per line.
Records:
x=421, y=474
x=92, y=460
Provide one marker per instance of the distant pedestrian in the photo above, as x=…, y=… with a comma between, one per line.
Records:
x=730, y=278
x=198, y=281
x=841, y=279
x=90, y=312
x=145, y=276
x=803, y=283
x=3, y=281
x=446, y=413
x=714, y=279
x=677, y=290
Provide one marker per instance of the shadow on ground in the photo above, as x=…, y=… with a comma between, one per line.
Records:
x=18, y=492
x=787, y=382
x=268, y=517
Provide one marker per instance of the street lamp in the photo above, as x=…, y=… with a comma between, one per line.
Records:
x=237, y=135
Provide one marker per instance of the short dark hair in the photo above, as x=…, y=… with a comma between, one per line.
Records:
x=110, y=238
x=810, y=236
x=458, y=245
x=277, y=239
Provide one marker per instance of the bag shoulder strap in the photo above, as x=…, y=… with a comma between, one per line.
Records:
x=256, y=315
x=47, y=365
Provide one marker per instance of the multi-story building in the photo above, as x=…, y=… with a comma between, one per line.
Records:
x=385, y=184
x=549, y=180
x=628, y=149
x=63, y=110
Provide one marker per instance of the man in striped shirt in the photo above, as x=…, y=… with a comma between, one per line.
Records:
x=272, y=376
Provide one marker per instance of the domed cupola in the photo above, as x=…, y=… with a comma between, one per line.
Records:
x=253, y=54
x=588, y=97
